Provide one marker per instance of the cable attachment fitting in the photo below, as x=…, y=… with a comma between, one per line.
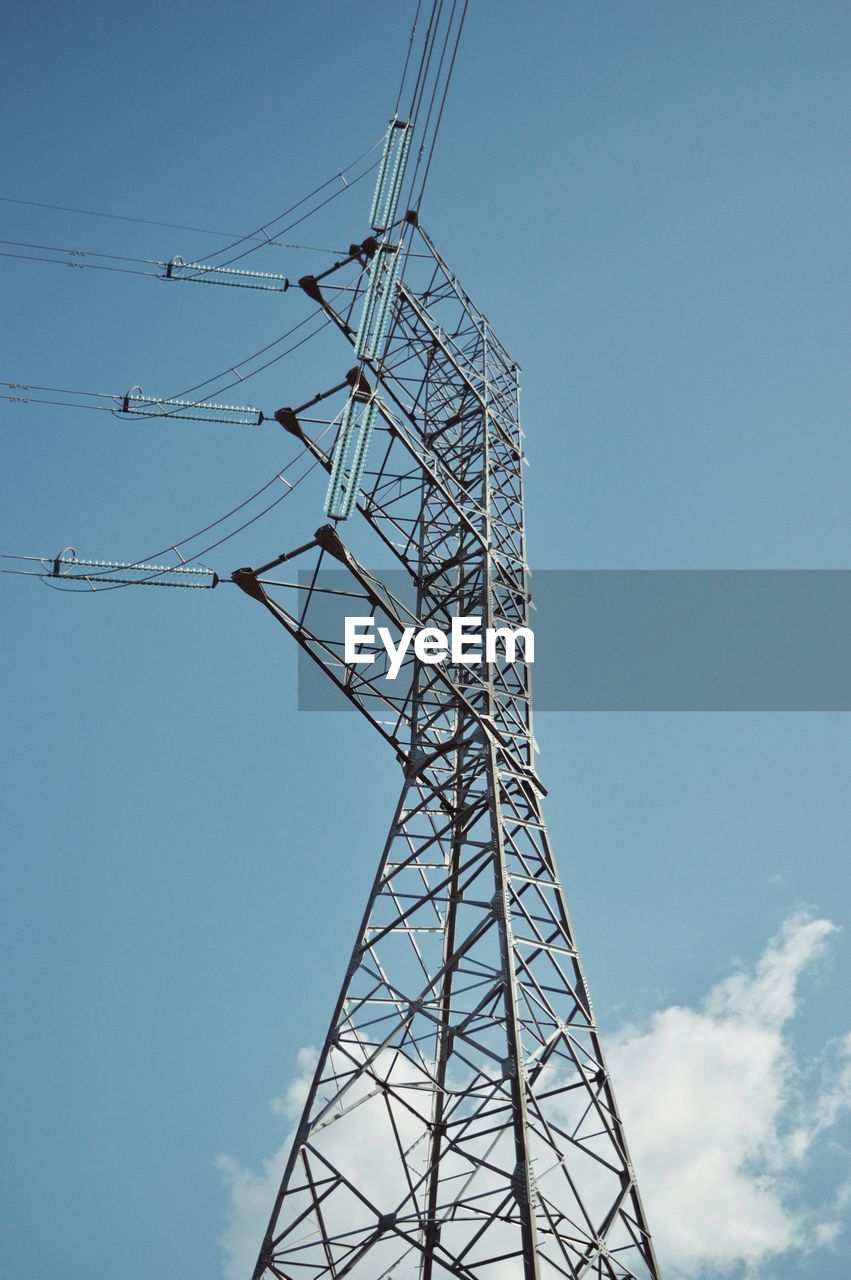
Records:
x=246, y=580
x=286, y=417
x=359, y=383
x=329, y=540
x=368, y=248
x=134, y=394
x=71, y=552
x=309, y=285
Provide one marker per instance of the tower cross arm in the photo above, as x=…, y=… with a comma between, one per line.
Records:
x=389, y=713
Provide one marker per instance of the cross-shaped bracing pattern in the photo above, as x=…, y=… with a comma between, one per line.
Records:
x=461, y=1121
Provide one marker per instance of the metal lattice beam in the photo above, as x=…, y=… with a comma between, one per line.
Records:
x=461, y=1121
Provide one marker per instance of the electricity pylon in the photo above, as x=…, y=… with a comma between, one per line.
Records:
x=461, y=1120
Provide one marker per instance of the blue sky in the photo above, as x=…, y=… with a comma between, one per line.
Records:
x=650, y=203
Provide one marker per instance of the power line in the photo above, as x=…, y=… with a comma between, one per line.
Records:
x=257, y=238
x=262, y=230
x=117, y=217
x=81, y=266
x=150, y=222
x=244, y=377
x=428, y=143
x=185, y=562
x=407, y=57
x=62, y=404
x=420, y=89
x=136, y=404
x=85, y=253
x=418, y=201
x=65, y=391
x=425, y=59
x=115, y=410
x=234, y=368
x=174, y=268
x=116, y=399
x=290, y=226
x=259, y=233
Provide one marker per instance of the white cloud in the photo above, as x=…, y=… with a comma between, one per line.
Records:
x=253, y=1194
x=723, y=1117
x=362, y=1146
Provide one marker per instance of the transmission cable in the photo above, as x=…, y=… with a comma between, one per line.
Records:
x=290, y=225
x=84, y=266
x=234, y=368
x=151, y=222
x=119, y=412
x=62, y=404
x=280, y=356
x=263, y=281
x=87, y=253
x=291, y=486
x=425, y=60
x=263, y=228
x=417, y=201
x=407, y=57
x=261, y=239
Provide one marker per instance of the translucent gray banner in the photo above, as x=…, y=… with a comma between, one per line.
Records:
x=663, y=640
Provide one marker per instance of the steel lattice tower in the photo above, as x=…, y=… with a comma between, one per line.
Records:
x=461, y=1121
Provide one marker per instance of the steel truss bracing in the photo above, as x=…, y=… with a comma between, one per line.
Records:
x=461, y=1121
